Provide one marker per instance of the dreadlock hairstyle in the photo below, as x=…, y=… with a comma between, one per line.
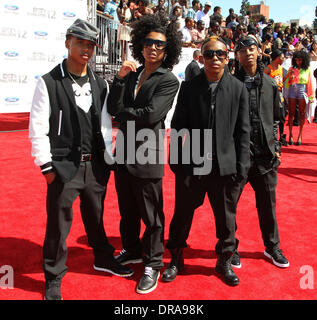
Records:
x=239, y=70
x=156, y=23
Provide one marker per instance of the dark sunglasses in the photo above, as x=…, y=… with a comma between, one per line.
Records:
x=159, y=44
x=209, y=54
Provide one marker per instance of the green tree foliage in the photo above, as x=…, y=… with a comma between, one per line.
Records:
x=244, y=7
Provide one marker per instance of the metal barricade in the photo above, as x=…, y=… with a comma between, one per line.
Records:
x=108, y=52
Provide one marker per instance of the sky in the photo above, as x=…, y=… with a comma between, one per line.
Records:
x=280, y=10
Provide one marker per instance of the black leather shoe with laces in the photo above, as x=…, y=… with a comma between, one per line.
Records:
x=126, y=257
x=224, y=268
x=109, y=264
x=277, y=257
x=53, y=290
x=148, y=282
x=176, y=265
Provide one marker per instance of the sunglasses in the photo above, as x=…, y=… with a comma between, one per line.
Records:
x=209, y=54
x=158, y=44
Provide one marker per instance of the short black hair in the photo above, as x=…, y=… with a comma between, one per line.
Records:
x=194, y=2
x=156, y=23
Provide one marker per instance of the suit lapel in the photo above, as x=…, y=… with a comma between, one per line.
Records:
x=67, y=85
x=95, y=91
x=204, y=97
x=135, y=77
x=223, y=110
x=148, y=83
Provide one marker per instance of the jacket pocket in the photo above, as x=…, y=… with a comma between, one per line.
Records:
x=60, y=152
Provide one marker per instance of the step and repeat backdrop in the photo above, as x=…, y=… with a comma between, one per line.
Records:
x=32, y=42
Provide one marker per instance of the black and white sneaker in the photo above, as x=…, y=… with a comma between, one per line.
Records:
x=109, y=264
x=148, y=282
x=277, y=257
x=126, y=257
x=235, y=260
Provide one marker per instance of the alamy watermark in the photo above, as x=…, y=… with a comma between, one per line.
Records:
x=6, y=277
x=307, y=280
x=147, y=147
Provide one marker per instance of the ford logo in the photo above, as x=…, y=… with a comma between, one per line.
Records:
x=11, y=54
x=11, y=7
x=69, y=14
x=12, y=99
x=41, y=33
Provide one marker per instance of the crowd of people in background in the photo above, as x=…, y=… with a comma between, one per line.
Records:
x=197, y=21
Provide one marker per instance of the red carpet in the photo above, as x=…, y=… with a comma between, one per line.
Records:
x=14, y=121
x=22, y=221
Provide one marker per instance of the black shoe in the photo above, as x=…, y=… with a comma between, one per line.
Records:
x=176, y=265
x=277, y=257
x=283, y=140
x=148, y=282
x=126, y=257
x=290, y=142
x=109, y=264
x=315, y=120
x=53, y=290
x=235, y=261
x=224, y=268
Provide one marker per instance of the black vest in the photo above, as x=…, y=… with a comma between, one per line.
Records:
x=65, y=131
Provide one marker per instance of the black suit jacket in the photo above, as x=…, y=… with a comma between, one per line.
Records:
x=147, y=111
x=270, y=113
x=231, y=121
x=192, y=70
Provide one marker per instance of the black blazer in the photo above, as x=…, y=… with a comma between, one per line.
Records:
x=231, y=121
x=192, y=70
x=147, y=111
x=270, y=113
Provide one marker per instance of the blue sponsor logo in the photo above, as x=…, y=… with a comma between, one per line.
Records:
x=69, y=14
x=11, y=54
x=12, y=99
x=11, y=7
x=181, y=75
x=41, y=33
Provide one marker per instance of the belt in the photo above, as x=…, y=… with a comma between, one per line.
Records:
x=86, y=157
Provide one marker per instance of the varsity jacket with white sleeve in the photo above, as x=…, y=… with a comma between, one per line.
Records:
x=54, y=128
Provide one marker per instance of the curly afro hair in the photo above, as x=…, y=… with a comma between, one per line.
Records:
x=156, y=23
x=301, y=54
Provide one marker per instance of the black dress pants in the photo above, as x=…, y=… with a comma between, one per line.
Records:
x=138, y=199
x=264, y=186
x=90, y=185
x=190, y=191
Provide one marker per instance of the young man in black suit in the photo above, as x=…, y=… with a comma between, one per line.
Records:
x=265, y=149
x=140, y=99
x=212, y=100
x=71, y=137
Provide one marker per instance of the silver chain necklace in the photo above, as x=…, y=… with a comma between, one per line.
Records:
x=76, y=81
